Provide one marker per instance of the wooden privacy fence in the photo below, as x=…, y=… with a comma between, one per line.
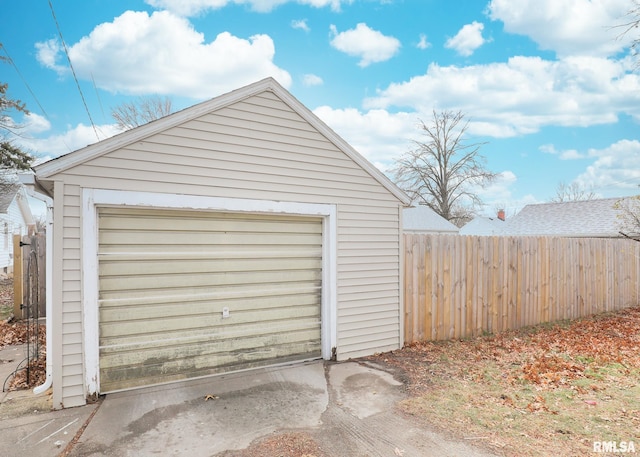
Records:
x=462, y=286
x=29, y=271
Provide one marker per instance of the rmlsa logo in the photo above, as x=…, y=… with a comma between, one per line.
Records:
x=614, y=447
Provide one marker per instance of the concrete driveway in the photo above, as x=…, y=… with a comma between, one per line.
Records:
x=347, y=408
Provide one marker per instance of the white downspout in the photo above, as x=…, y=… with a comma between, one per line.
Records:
x=49, y=288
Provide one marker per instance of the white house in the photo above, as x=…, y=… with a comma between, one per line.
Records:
x=15, y=219
x=484, y=226
x=422, y=219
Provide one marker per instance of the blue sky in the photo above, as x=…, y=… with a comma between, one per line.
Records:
x=549, y=85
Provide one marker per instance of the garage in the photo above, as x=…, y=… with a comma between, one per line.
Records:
x=237, y=233
x=186, y=294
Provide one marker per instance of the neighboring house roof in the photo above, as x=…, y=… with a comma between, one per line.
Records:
x=7, y=195
x=483, y=226
x=589, y=218
x=423, y=219
x=72, y=159
x=16, y=192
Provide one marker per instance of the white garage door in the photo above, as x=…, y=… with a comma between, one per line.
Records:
x=186, y=293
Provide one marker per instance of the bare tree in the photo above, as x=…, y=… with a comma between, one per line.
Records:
x=129, y=115
x=443, y=170
x=629, y=215
x=632, y=25
x=572, y=193
x=12, y=157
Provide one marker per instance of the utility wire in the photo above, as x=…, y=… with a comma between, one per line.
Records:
x=73, y=71
x=13, y=64
x=98, y=96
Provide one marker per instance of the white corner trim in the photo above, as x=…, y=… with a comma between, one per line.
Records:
x=90, y=292
x=93, y=198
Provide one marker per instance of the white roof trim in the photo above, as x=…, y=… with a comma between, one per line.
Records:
x=62, y=163
x=23, y=204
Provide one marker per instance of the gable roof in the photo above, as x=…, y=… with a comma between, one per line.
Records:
x=589, y=218
x=421, y=218
x=16, y=193
x=483, y=226
x=62, y=163
x=9, y=192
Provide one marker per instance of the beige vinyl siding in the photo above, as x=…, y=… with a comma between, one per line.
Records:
x=261, y=149
x=368, y=279
x=301, y=162
x=71, y=318
x=165, y=277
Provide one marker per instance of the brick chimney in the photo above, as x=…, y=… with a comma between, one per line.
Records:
x=501, y=214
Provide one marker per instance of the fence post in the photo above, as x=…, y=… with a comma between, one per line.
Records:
x=18, y=277
x=42, y=271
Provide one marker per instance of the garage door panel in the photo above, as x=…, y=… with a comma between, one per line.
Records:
x=154, y=310
x=208, y=320
x=166, y=276
x=205, y=345
x=177, y=252
x=134, y=266
x=135, y=238
x=134, y=345
x=176, y=369
x=187, y=281
x=160, y=296
x=199, y=221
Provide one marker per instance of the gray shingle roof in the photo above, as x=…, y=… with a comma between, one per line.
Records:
x=590, y=218
x=483, y=226
x=421, y=218
x=7, y=195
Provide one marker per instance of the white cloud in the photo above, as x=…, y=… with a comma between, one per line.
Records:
x=499, y=195
x=163, y=54
x=47, y=54
x=196, y=7
x=34, y=123
x=571, y=154
x=378, y=135
x=368, y=44
x=300, y=24
x=615, y=171
x=423, y=43
x=55, y=145
x=312, y=80
x=548, y=149
x=522, y=95
x=567, y=154
x=499, y=189
x=467, y=40
x=568, y=27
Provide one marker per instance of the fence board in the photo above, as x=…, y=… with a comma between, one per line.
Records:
x=461, y=286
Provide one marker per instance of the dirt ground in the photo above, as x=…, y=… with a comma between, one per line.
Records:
x=14, y=332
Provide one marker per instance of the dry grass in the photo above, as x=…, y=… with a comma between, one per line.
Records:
x=546, y=390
